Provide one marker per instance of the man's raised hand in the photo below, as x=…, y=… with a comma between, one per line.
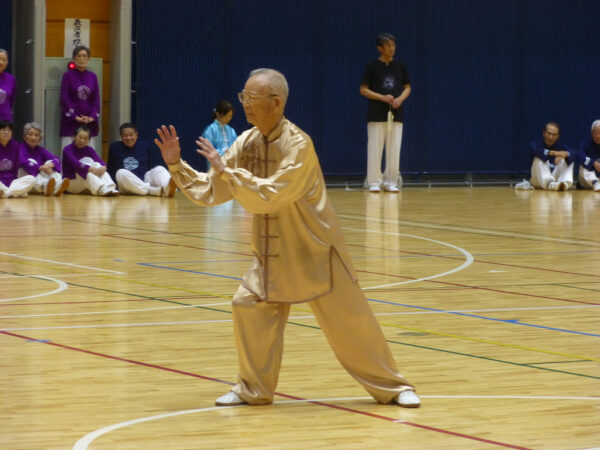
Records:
x=168, y=143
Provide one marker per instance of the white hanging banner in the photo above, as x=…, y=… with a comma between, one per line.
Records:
x=77, y=32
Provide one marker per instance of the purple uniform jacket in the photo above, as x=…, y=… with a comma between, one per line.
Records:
x=7, y=96
x=71, y=167
x=79, y=95
x=33, y=158
x=9, y=162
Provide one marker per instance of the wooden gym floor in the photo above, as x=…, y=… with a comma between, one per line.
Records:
x=115, y=324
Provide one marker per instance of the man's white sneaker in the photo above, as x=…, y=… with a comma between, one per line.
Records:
x=597, y=186
x=391, y=188
x=524, y=185
x=408, y=399
x=374, y=188
x=230, y=399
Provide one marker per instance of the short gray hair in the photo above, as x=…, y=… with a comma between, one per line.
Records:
x=32, y=126
x=277, y=81
x=595, y=123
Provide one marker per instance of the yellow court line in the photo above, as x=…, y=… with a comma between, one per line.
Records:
x=485, y=341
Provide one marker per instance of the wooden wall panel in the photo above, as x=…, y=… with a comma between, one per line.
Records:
x=96, y=10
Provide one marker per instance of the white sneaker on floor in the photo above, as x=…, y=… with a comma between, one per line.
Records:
x=230, y=399
x=524, y=185
x=408, y=399
x=391, y=188
x=374, y=188
x=553, y=186
x=597, y=186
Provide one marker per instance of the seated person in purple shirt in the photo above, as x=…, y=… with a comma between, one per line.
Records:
x=589, y=153
x=84, y=168
x=79, y=98
x=128, y=165
x=11, y=185
x=40, y=163
x=553, y=161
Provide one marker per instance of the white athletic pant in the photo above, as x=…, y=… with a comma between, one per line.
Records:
x=541, y=175
x=378, y=138
x=18, y=188
x=41, y=180
x=587, y=178
x=129, y=183
x=96, y=185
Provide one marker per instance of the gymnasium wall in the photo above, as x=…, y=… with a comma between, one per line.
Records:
x=486, y=74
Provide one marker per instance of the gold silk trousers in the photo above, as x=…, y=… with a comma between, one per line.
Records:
x=300, y=255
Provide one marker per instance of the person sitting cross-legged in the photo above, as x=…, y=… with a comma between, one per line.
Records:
x=553, y=161
x=84, y=168
x=11, y=184
x=128, y=162
x=40, y=163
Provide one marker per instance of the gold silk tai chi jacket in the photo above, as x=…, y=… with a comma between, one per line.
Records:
x=295, y=231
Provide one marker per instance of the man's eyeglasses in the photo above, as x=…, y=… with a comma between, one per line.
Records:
x=251, y=97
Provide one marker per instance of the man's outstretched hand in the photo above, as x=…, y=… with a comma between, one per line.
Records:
x=168, y=143
x=206, y=149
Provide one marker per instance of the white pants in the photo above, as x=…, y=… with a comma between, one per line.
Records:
x=94, y=184
x=41, y=181
x=541, y=175
x=66, y=140
x=587, y=178
x=18, y=188
x=129, y=183
x=379, y=137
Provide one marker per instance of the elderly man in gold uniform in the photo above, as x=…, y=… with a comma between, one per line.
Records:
x=300, y=254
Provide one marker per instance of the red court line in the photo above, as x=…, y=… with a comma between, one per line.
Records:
x=292, y=397
x=482, y=288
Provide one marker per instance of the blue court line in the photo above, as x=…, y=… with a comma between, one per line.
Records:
x=513, y=321
x=189, y=271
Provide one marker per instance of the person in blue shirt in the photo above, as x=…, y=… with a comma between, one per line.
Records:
x=128, y=165
x=589, y=153
x=553, y=161
x=219, y=133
